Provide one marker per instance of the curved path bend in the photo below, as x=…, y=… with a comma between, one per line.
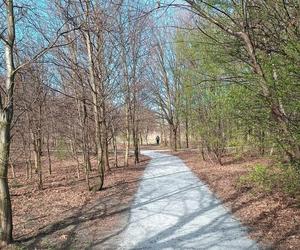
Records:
x=173, y=209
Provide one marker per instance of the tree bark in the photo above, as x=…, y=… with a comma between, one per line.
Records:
x=135, y=130
x=178, y=136
x=5, y=203
x=187, y=132
x=104, y=135
x=49, y=154
x=6, y=115
x=114, y=143
x=127, y=143
x=100, y=161
x=37, y=146
x=173, y=137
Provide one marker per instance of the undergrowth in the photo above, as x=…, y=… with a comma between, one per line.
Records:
x=284, y=178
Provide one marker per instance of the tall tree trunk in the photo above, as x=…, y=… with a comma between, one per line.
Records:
x=104, y=135
x=135, y=132
x=104, y=148
x=114, y=143
x=187, y=132
x=6, y=114
x=82, y=113
x=127, y=143
x=146, y=136
x=174, y=130
x=164, y=135
x=38, y=161
x=38, y=148
x=136, y=146
x=178, y=136
x=49, y=154
x=141, y=139
x=82, y=116
x=173, y=137
x=100, y=161
x=5, y=203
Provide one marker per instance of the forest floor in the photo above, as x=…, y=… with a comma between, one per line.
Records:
x=65, y=215
x=273, y=218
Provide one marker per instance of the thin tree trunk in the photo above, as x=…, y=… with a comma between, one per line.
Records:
x=38, y=149
x=135, y=134
x=187, y=132
x=77, y=166
x=104, y=136
x=165, y=135
x=175, y=138
x=82, y=119
x=74, y=150
x=127, y=143
x=136, y=147
x=146, y=136
x=49, y=154
x=178, y=136
x=30, y=164
x=114, y=144
x=114, y=141
x=82, y=113
x=100, y=161
x=38, y=162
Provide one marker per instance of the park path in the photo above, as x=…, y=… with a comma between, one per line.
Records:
x=173, y=209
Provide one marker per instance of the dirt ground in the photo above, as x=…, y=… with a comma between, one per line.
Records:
x=273, y=219
x=65, y=215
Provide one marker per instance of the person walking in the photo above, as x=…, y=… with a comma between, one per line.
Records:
x=157, y=140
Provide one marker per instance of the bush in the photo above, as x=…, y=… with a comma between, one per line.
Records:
x=289, y=180
x=282, y=178
x=259, y=177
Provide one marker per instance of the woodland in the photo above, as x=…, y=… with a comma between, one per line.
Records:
x=95, y=80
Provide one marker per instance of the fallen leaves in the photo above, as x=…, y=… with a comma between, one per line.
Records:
x=65, y=213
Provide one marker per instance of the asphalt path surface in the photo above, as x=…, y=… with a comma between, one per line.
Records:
x=173, y=209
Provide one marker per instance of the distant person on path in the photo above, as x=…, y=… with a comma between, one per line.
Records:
x=157, y=140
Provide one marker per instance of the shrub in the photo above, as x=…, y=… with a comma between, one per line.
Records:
x=259, y=177
x=289, y=180
x=282, y=178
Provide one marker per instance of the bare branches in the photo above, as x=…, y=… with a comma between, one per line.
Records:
x=51, y=46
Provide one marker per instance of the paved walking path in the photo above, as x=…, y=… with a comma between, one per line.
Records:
x=173, y=209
